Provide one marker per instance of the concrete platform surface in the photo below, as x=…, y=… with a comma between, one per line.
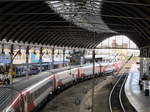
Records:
x=136, y=97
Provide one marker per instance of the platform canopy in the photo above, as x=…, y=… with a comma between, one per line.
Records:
x=74, y=23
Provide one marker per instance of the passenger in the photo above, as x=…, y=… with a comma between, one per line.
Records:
x=10, y=78
x=1, y=79
x=4, y=79
x=7, y=80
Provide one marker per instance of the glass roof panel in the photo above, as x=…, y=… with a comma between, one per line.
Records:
x=81, y=13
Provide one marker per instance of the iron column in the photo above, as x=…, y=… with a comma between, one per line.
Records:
x=52, y=58
x=27, y=61
x=93, y=81
x=41, y=54
x=63, y=57
x=11, y=59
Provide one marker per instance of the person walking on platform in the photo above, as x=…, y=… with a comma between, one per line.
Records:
x=10, y=78
x=1, y=79
x=5, y=79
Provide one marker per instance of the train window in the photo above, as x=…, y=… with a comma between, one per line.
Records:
x=33, y=96
x=39, y=91
x=25, y=98
x=29, y=99
x=36, y=93
x=17, y=109
x=21, y=103
x=51, y=82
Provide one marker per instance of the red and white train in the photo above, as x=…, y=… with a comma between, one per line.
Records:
x=32, y=97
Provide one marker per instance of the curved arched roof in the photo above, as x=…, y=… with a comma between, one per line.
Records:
x=130, y=15
x=74, y=23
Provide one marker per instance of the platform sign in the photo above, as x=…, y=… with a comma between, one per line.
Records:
x=34, y=58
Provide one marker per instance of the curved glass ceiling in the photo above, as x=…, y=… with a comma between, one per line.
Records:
x=85, y=14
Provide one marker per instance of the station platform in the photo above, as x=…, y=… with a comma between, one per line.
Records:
x=135, y=96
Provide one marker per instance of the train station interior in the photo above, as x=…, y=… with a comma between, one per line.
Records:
x=74, y=56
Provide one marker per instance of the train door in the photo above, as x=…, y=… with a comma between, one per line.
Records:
x=21, y=104
x=81, y=72
x=17, y=105
x=25, y=102
x=54, y=82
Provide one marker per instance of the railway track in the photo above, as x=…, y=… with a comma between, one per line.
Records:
x=115, y=97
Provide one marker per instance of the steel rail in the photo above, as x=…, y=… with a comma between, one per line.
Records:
x=120, y=96
x=110, y=95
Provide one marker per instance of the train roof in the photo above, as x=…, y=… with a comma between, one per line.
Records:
x=100, y=56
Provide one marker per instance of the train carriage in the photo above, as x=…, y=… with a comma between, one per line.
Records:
x=87, y=71
x=31, y=97
x=97, y=68
x=63, y=79
x=117, y=65
x=38, y=92
x=75, y=73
